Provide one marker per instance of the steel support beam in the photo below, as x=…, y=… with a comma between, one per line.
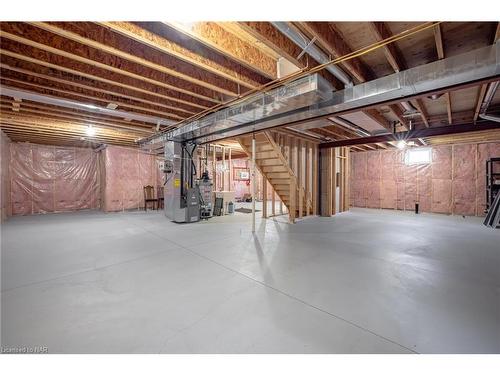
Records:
x=414, y=134
x=452, y=73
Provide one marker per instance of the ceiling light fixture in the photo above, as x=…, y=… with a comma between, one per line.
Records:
x=90, y=131
x=401, y=145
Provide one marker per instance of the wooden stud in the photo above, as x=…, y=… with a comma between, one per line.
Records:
x=315, y=179
x=333, y=176
x=273, y=202
x=480, y=98
x=230, y=171
x=300, y=182
x=308, y=178
x=264, y=197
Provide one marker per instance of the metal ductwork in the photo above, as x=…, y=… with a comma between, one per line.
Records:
x=26, y=95
x=308, y=46
x=488, y=97
x=305, y=92
x=472, y=68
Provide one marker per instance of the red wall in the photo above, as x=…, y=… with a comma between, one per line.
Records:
x=52, y=179
x=453, y=183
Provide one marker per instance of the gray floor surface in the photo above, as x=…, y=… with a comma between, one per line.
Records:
x=365, y=281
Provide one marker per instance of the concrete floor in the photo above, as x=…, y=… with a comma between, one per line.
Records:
x=366, y=281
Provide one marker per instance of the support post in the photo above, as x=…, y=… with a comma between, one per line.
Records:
x=315, y=179
x=273, y=202
x=300, y=182
x=264, y=197
x=253, y=183
x=214, y=173
x=223, y=174
x=230, y=171
x=293, y=200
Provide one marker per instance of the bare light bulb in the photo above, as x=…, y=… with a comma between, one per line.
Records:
x=401, y=145
x=90, y=131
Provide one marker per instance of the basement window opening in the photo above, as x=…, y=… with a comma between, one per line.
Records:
x=418, y=156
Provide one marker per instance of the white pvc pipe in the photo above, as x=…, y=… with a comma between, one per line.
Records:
x=253, y=184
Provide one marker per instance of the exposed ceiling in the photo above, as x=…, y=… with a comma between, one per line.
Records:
x=151, y=75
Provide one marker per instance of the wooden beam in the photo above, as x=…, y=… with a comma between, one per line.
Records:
x=89, y=98
x=226, y=43
x=439, y=41
x=415, y=134
x=174, y=87
x=329, y=38
x=105, y=124
x=63, y=125
x=497, y=33
x=479, y=102
x=381, y=32
x=113, y=94
x=13, y=127
x=376, y=116
x=152, y=35
x=267, y=34
x=447, y=97
x=79, y=114
x=398, y=112
x=438, y=38
x=419, y=105
x=98, y=78
x=102, y=39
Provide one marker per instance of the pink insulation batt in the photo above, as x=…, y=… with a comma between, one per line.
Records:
x=453, y=183
x=125, y=173
x=5, y=205
x=52, y=179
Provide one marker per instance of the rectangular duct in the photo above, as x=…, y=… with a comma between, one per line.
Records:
x=473, y=67
x=300, y=93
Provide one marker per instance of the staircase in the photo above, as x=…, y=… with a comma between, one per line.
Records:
x=273, y=165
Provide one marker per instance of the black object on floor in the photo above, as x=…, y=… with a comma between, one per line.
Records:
x=493, y=217
x=245, y=210
x=218, y=207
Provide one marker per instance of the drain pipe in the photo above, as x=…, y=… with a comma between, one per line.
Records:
x=488, y=97
x=308, y=46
